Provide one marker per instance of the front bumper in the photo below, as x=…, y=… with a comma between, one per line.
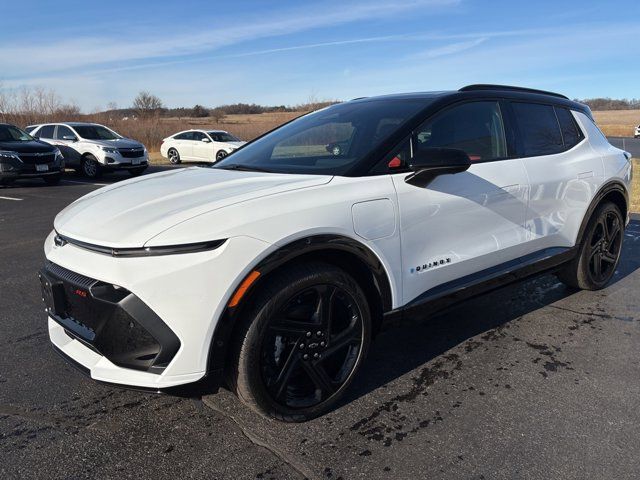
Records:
x=115, y=160
x=185, y=293
x=13, y=169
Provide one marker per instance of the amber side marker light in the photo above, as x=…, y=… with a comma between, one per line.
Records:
x=242, y=289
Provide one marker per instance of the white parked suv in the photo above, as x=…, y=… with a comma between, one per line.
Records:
x=199, y=146
x=93, y=149
x=274, y=269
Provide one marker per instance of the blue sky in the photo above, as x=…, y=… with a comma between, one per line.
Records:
x=285, y=52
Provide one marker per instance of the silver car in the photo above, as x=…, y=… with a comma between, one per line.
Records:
x=92, y=149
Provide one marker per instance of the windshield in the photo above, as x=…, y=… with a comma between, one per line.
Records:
x=95, y=132
x=223, y=137
x=329, y=141
x=9, y=133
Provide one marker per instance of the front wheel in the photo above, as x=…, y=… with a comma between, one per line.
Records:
x=90, y=167
x=220, y=155
x=599, y=251
x=304, y=338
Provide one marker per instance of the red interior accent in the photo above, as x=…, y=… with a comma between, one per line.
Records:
x=474, y=158
x=395, y=162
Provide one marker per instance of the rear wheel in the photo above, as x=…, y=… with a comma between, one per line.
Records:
x=174, y=156
x=303, y=340
x=599, y=252
x=90, y=167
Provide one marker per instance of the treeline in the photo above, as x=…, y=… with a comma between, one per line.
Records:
x=611, y=103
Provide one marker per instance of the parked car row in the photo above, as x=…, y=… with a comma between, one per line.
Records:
x=45, y=150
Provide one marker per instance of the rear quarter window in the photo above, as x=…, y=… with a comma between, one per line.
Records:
x=571, y=133
x=539, y=129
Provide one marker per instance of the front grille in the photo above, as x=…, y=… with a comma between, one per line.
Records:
x=108, y=319
x=36, y=158
x=131, y=152
x=69, y=276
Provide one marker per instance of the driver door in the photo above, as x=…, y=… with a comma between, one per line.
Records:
x=202, y=147
x=462, y=223
x=65, y=139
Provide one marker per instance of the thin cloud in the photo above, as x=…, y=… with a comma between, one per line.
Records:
x=449, y=49
x=92, y=51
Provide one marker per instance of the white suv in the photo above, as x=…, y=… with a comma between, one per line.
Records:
x=275, y=268
x=199, y=146
x=93, y=149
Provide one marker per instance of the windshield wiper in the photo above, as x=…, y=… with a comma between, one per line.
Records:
x=244, y=168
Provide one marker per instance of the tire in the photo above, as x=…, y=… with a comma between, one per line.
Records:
x=174, y=156
x=134, y=172
x=220, y=155
x=599, y=252
x=52, y=179
x=287, y=363
x=90, y=167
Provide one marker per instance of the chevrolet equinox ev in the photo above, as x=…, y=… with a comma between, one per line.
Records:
x=271, y=271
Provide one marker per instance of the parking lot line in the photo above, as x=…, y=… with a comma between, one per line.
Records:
x=85, y=183
x=11, y=198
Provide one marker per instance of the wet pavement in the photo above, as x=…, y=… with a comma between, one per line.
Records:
x=530, y=381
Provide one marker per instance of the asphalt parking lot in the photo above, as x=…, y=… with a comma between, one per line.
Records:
x=531, y=381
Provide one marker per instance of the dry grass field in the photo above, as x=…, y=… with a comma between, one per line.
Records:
x=635, y=189
x=617, y=123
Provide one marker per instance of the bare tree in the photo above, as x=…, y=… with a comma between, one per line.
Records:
x=217, y=114
x=147, y=104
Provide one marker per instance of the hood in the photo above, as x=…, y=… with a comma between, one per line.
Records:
x=117, y=143
x=130, y=213
x=33, y=146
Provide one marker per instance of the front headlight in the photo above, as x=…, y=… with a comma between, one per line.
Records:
x=109, y=149
x=8, y=155
x=9, y=161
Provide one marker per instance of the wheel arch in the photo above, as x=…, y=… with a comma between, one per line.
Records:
x=614, y=191
x=345, y=252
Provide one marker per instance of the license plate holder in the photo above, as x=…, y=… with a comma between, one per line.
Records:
x=42, y=168
x=52, y=294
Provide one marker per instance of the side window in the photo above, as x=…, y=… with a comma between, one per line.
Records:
x=571, y=133
x=63, y=132
x=539, y=129
x=46, y=131
x=215, y=137
x=475, y=127
x=197, y=136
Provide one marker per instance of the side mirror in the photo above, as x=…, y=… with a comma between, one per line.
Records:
x=70, y=138
x=206, y=140
x=428, y=163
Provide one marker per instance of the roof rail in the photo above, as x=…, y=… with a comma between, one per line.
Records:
x=473, y=88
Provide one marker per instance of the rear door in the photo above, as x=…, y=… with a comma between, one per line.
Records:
x=183, y=142
x=563, y=169
x=467, y=222
x=46, y=133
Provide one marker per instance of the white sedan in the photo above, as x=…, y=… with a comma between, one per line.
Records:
x=199, y=146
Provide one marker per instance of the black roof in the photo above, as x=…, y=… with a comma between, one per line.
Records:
x=441, y=98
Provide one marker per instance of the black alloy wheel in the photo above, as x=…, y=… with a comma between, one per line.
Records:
x=599, y=250
x=307, y=334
